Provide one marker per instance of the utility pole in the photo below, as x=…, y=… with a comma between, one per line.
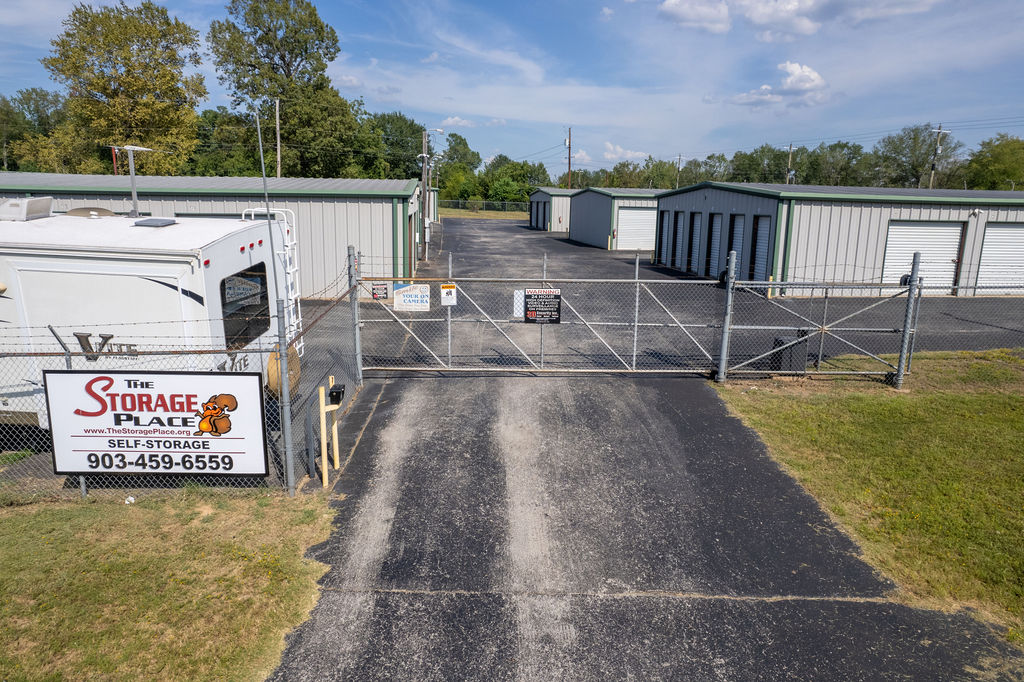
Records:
x=277, y=120
x=568, y=143
x=679, y=160
x=935, y=156
x=789, y=164
x=423, y=193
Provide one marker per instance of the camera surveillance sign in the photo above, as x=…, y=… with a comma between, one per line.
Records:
x=156, y=423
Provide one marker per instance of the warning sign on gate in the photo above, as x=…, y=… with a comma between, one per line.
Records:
x=448, y=295
x=542, y=306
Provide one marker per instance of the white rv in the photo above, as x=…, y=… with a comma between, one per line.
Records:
x=112, y=290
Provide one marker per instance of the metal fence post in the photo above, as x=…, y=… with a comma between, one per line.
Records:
x=286, y=398
x=908, y=320
x=544, y=277
x=913, y=335
x=723, y=353
x=636, y=305
x=448, y=310
x=353, y=280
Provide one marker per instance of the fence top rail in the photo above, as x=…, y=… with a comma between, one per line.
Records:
x=540, y=280
x=820, y=285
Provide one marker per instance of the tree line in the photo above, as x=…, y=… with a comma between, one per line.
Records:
x=128, y=76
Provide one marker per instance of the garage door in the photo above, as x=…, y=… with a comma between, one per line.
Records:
x=1002, y=258
x=679, y=234
x=939, y=244
x=714, y=243
x=736, y=229
x=543, y=224
x=533, y=214
x=759, y=254
x=635, y=229
x=663, y=239
x=693, y=243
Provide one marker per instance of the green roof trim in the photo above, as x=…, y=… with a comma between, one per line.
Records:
x=617, y=193
x=848, y=197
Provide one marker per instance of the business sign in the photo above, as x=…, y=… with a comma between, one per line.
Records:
x=542, y=306
x=156, y=423
x=414, y=297
x=379, y=290
x=448, y=294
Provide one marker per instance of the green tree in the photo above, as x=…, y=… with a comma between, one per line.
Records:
x=459, y=151
x=124, y=68
x=998, y=164
x=402, y=141
x=227, y=145
x=837, y=164
x=764, y=164
x=268, y=48
x=905, y=159
x=507, y=189
x=658, y=174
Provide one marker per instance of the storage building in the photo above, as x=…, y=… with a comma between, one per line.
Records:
x=843, y=234
x=380, y=218
x=550, y=207
x=618, y=219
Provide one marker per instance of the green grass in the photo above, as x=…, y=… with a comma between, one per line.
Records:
x=11, y=456
x=490, y=215
x=190, y=587
x=929, y=480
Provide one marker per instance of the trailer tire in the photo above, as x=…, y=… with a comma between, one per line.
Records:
x=274, y=372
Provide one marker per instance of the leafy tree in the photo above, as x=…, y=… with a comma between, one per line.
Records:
x=402, y=140
x=904, y=159
x=764, y=164
x=998, y=164
x=837, y=164
x=459, y=151
x=507, y=189
x=459, y=183
x=268, y=48
x=227, y=145
x=13, y=126
x=658, y=174
x=124, y=68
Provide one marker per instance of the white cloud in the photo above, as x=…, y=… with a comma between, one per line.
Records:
x=496, y=122
x=347, y=81
x=581, y=156
x=757, y=98
x=606, y=13
x=710, y=15
x=458, y=122
x=790, y=16
x=529, y=69
x=431, y=58
x=613, y=152
x=801, y=78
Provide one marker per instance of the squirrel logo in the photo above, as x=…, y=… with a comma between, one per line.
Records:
x=215, y=420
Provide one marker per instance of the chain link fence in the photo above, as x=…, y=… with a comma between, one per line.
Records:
x=468, y=205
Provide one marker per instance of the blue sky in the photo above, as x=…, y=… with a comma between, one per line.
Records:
x=639, y=77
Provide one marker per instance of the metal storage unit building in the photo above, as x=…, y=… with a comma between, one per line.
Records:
x=550, y=208
x=378, y=217
x=843, y=234
x=622, y=219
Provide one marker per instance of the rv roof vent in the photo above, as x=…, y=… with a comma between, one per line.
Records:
x=28, y=208
x=155, y=222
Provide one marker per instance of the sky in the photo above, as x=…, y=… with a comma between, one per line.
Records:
x=667, y=78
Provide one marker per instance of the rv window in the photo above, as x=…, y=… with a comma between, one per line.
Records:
x=246, y=305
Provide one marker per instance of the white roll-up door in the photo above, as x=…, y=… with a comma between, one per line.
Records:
x=736, y=228
x=939, y=244
x=635, y=229
x=663, y=255
x=714, y=245
x=693, y=257
x=544, y=215
x=533, y=214
x=678, y=248
x=762, y=224
x=1002, y=258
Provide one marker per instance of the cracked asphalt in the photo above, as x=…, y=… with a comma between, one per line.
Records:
x=594, y=528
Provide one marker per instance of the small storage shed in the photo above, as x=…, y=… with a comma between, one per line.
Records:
x=380, y=218
x=843, y=234
x=613, y=218
x=550, y=208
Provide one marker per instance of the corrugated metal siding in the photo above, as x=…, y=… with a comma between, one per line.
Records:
x=845, y=241
x=561, y=210
x=591, y=219
x=706, y=201
x=325, y=227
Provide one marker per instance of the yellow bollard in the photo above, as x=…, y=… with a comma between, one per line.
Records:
x=324, y=409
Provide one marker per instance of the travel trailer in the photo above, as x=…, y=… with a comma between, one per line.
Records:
x=97, y=291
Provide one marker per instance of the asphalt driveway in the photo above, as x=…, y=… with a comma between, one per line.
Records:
x=605, y=527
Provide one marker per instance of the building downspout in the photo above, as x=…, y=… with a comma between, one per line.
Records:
x=395, y=237
x=789, y=242
x=407, y=265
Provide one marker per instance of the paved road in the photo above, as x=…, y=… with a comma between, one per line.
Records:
x=559, y=528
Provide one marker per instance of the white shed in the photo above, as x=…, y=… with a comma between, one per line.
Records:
x=380, y=218
x=550, y=208
x=617, y=219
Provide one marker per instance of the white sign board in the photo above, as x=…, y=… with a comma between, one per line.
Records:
x=448, y=293
x=156, y=423
x=517, y=303
x=415, y=297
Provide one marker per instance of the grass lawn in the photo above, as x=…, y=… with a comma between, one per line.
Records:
x=929, y=480
x=199, y=585
x=490, y=215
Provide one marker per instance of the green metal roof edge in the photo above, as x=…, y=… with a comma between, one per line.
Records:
x=836, y=196
x=407, y=191
x=562, y=193
x=604, y=190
